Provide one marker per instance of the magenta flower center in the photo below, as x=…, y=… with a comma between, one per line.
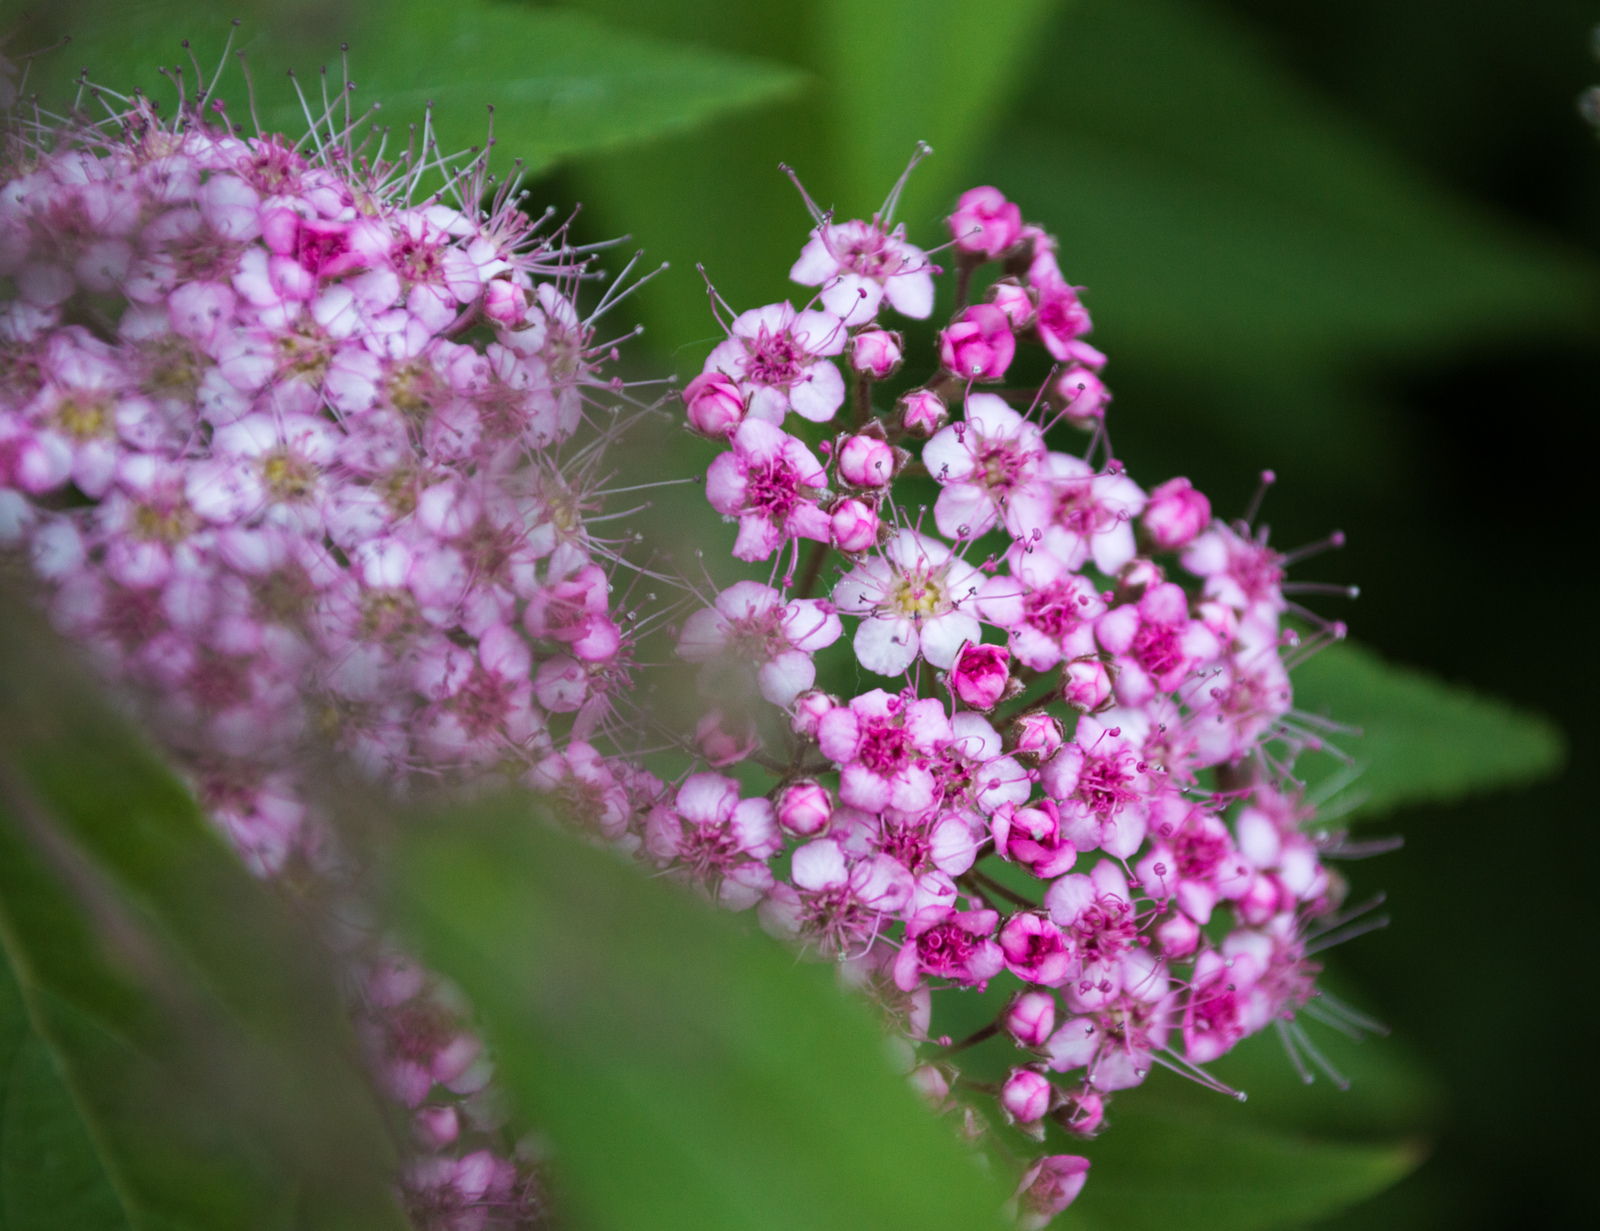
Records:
x=772, y=489
x=945, y=949
x=1105, y=785
x=775, y=359
x=885, y=749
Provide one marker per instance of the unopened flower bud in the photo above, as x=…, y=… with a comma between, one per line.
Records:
x=804, y=807
x=1175, y=514
x=437, y=1127
x=809, y=709
x=866, y=461
x=1031, y=1018
x=1136, y=577
x=715, y=404
x=1012, y=298
x=1178, y=936
x=1081, y=397
x=854, y=525
x=1038, y=736
x=978, y=345
x=721, y=746
x=980, y=674
x=985, y=223
x=1026, y=1095
x=930, y=1083
x=923, y=412
x=876, y=352
x=1085, y=685
x=504, y=302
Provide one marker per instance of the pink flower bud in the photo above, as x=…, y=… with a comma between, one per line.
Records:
x=1048, y=1187
x=1012, y=298
x=1178, y=935
x=804, y=807
x=715, y=404
x=978, y=345
x=1175, y=514
x=1085, y=684
x=866, y=461
x=930, y=1083
x=720, y=746
x=437, y=1127
x=980, y=674
x=504, y=302
x=1081, y=397
x=876, y=352
x=854, y=525
x=923, y=412
x=1038, y=736
x=1031, y=1018
x=1082, y=1113
x=985, y=223
x=809, y=709
x=1026, y=1095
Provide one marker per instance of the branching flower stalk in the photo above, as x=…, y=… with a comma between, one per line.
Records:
x=1083, y=682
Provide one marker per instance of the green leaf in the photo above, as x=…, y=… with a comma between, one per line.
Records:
x=1228, y=221
x=1159, y=1167
x=903, y=71
x=1421, y=740
x=690, y=1074
x=204, y=1049
x=50, y=1172
x=561, y=83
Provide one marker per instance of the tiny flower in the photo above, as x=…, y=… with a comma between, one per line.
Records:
x=985, y=223
x=715, y=405
x=724, y=740
x=1026, y=1095
x=770, y=482
x=810, y=708
x=923, y=412
x=978, y=344
x=980, y=462
x=1085, y=684
x=931, y=1084
x=876, y=353
x=866, y=461
x=1037, y=735
x=916, y=598
x=854, y=525
x=860, y=264
x=1178, y=935
x=1012, y=298
x=884, y=744
x=1033, y=837
x=1048, y=1187
x=1080, y=397
x=981, y=674
x=1030, y=1019
x=804, y=807
x=779, y=359
x=1061, y=321
x=1036, y=951
x=949, y=944
x=1156, y=643
x=1175, y=514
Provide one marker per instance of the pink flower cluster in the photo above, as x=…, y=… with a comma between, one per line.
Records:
x=304, y=457
x=1077, y=773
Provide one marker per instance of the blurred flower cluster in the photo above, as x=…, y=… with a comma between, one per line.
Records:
x=1086, y=683
x=302, y=440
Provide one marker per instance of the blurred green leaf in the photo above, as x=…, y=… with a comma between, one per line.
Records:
x=689, y=1074
x=204, y=1048
x=561, y=83
x=50, y=1172
x=903, y=71
x=1421, y=739
x=1231, y=225
x=1178, y=1167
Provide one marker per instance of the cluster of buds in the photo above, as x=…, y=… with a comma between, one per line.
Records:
x=1077, y=775
x=302, y=443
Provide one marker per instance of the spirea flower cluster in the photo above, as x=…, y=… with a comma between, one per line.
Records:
x=302, y=442
x=1077, y=764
